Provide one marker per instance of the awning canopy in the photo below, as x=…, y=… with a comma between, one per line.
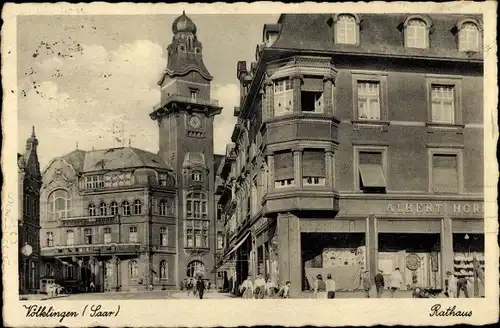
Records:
x=218, y=265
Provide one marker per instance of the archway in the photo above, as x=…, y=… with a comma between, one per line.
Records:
x=195, y=269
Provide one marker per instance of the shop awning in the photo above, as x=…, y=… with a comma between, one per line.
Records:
x=218, y=265
x=372, y=176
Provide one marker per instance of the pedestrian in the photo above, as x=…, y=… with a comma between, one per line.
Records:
x=462, y=286
x=285, y=290
x=330, y=287
x=260, y=287
x=209, y=285
x=246, y=288
x=451, y=284
x=182, y=285
x=396, y=280
x=366, y=283
x=189, y=286
x=92, y=287
x=270, y=288
x=200, y=287
x=379, y=283
x=319, y=287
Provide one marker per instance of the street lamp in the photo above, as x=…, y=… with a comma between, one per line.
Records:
x=26, y=251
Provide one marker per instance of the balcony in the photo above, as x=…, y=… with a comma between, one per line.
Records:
x=293, y=199
x=92, y=250
x=82, y=221
x=186, y=99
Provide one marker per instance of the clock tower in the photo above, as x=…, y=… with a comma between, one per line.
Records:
x=185, y=117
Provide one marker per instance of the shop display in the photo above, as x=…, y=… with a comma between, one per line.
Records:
x=463, y=265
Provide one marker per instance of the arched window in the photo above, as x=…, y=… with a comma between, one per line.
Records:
x=468, y=36
x=59, y=204
x=162, y=207
x=92, y=210
x=195, y=269
x=125, y=208
x=137, y=207
x=346, y=29
x=114, y=208
x=133, y=269
x=416, y=33
x=196, y=205
x=163, y=270
x=103, y=209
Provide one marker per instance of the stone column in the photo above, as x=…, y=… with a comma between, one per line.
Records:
x=329, y=179
x=446, y=244
x=270, y=173
x=269, y=108
x=296, y=86
x=297, y=167
x=328, y=94
x=371, y=237
x=289, y=252
x=116, y=262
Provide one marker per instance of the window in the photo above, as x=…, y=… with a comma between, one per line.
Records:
x=284, y=169
x=368, y=100
x=88, y=236
x=312, y=101
x=163, y=179
x=70, y=238
x=163, y=270
x=469, y=37
x=50, y=239
x=370, y=176
x=313, y=167
x=196, y=176
x=92, y=210
x=416, y=34
x=195, y=269
x=444, y=176
x=133, y=269
x=219, y=213
x=125, y=208
x=108, y=269
x=163, y=236
x=94, y=181
x=196, y=205
x=193, y=95
x=137, y=207
x=220, y=240
x=68, y=271
x=49, y=270
x=196, y=233
x=114, y=208
x=107, y=235
x=283, y=97
x=346, y=29
x=443, y=103
x=103, y=209
x=132, y=234
x=162, y=207
x=59, y=205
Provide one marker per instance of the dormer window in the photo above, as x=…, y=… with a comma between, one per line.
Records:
x=346, y=29
x=196, y=176
x=416, y=33
x=469, y=35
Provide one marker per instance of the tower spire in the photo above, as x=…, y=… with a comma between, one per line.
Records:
x=33, y=132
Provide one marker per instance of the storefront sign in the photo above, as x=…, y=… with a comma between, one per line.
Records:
x=413, y=261
x=435, y=208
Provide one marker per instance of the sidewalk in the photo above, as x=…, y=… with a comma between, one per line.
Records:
x=39, y=297
x=212, y=295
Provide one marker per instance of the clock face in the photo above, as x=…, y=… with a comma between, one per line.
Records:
x=195, y=122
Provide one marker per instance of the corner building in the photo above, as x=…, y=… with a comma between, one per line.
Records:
x=125, y=218
x=359, y=146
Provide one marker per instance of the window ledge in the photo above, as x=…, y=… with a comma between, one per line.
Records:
x=382, y=125
x=452, y=127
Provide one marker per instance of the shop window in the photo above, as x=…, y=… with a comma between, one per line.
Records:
x=70, y=237
x=137, y=207
x=88, y=236
x=107, y=235
x=469, y=35
x=133, y=269
x=416, y=33
x=371, y=176
x=346, y=29
x=163, y=236
x=313, y=167
x=114, y=208
x=125, y=208
x=283, y=97
x=132, y=235
x=163, y=270
x=50, y=239
x=284, y=169
x=103, y=210
x=445, y=173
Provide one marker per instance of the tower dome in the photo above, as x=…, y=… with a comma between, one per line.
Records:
x=183, y=24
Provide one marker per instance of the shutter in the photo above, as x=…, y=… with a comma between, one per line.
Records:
x=283, y=165
x=370, y=158
x=372, y=176
x=313, y=163
x=312, y=84
x=410, y=36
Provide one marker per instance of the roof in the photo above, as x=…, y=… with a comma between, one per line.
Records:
x=192, y=159
x=113, y=159
x=379, y=34
x=182, y=66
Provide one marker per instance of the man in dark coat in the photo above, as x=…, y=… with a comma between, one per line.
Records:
x=379, y=283
x=200, y=286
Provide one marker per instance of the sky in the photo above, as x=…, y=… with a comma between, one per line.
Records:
x=80, y=75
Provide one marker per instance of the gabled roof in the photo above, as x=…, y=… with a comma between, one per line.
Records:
x=113, y=159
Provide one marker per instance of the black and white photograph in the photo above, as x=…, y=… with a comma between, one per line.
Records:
x=259, y=158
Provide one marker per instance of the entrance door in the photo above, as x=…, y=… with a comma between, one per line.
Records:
x=399, y=261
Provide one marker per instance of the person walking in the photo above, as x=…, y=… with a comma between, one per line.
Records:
x=396, y=280
x=260, y=287
x=270, y=288
x=462, y=286
x=451, y=285
x=189, y=286
x=200, y=287
x=379, y=283
x=285, y=290
x=319, y=287
x=182, y=285
x=246, y=288
x=366, y=283
x=330, y=287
